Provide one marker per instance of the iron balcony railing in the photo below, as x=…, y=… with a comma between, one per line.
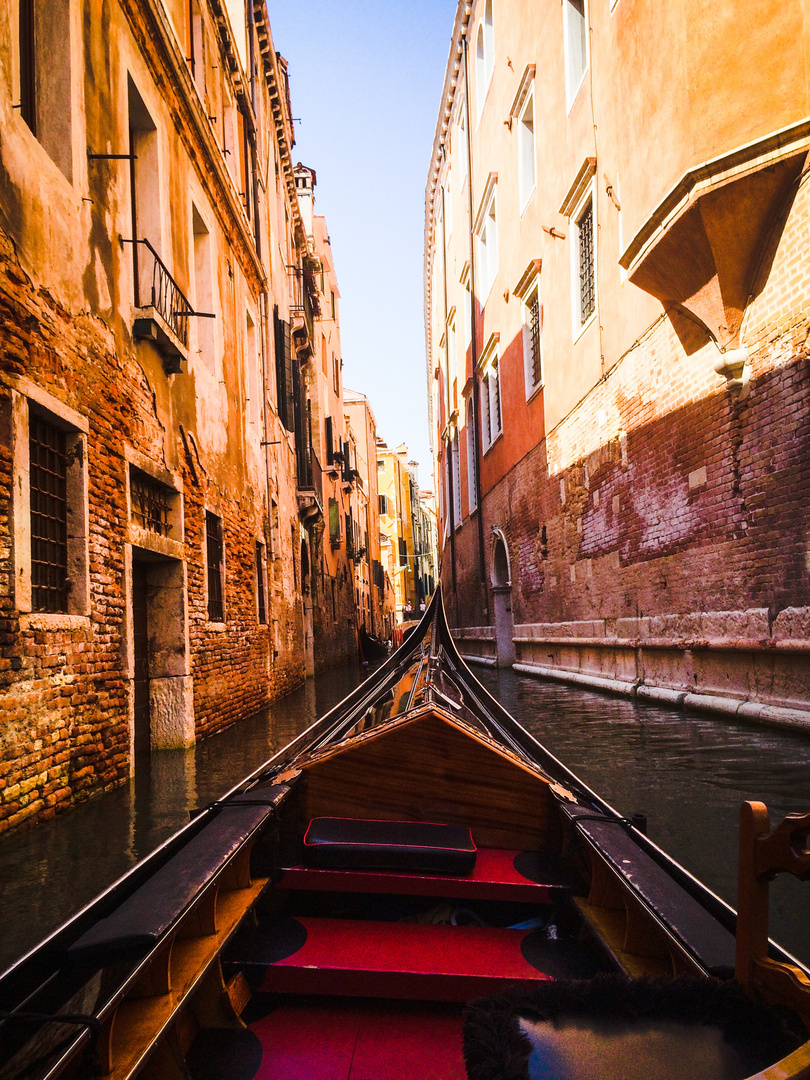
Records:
x=303, y=297
x=160, y=291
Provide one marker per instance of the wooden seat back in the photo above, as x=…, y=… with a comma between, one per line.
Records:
x=763, y=854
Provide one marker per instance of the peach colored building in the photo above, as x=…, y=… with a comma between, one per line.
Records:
x=616, y=316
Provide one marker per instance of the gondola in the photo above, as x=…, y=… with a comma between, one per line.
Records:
x=415, y=887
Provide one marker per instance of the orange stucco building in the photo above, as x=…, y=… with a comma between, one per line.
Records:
x=616, y=317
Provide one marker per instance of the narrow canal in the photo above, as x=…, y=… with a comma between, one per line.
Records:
x=687, y=772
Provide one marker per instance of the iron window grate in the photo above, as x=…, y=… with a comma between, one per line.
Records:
x=215, y=549
x=534, y=338
x=151, y=503
x=260, y=583
x=48, y=486
x=587, y=290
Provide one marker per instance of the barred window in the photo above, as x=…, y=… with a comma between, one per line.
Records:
x=260, y=598
x=215, y=551
x=587, y=290
x=49, y=542
x=532, y=342
x=151, y=503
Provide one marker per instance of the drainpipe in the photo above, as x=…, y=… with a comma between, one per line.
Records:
x=476, y=393
x=449, y=461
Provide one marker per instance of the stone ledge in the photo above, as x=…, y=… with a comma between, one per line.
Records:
x=485, y=661
x=758, y=712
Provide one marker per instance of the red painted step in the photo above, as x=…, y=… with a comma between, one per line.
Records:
x=361, y=1040
x=355, y=958
x=494, y=878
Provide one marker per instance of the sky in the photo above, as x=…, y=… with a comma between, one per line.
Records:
x=365, y=82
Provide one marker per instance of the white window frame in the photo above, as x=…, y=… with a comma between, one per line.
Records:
x=484, y=56
x=452, y=353
x=460, y=145
x=572, y=88
x=448, y=205
x=486, y=238
x=455, y=458
x=526, y=151
x=466, y=285
x=469, y=427
x=578, y=325
x=532, y=387
x=490, y=393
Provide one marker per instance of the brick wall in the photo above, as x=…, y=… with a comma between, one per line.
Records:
x=64, y=688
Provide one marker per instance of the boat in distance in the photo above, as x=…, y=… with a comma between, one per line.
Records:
x=415, y=887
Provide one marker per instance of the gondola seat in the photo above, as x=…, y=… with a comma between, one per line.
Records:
x=362, y=844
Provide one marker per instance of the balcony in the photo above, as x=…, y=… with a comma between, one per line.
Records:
x=310, y=487
x=304, y=309
x=162, y=311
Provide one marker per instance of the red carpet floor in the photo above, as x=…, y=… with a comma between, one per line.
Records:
x=358, y=1040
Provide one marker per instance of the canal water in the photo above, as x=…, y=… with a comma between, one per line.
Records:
x=688, y=772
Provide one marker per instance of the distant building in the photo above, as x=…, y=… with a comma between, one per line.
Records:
x=617, y=312
x=371, y=582
x=407, y=525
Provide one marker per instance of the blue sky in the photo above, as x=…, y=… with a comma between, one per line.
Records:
x=365, y=80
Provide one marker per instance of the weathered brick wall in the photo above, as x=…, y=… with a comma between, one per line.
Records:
x=665, y=491
x=334, y=616
x=64, y=692
x=65, y=732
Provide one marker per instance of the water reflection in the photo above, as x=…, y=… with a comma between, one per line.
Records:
x=688, y=772
x=48, y=873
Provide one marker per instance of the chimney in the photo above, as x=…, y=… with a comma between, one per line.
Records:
x=305, y=189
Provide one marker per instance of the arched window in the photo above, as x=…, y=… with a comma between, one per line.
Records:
x=484, y=56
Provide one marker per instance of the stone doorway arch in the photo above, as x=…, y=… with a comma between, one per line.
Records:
x=501, y=580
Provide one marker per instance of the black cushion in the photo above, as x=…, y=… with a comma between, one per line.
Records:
x=142, y=919
x=360, y=844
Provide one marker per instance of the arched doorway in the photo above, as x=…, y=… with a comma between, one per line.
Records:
x=502, y=600
x=306, y=595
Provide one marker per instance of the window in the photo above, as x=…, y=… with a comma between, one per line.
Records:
x=335, y=373
x=195, y=43
x=586, y=262
x=487, y=239
x=490, y=405
x=334, y=523
x=461, y=147
x=448, y=206
x=203, y=287
x=284, y=371
x=49, y=520
x=49, y=545
x=261, y=603
x=383, y=502
x=526, y=151
x=43, y=75
x=403, y=552
x=469, y=427
x=467, y=295
x=253, y=365
x=215, y=551
x=575, y=33
x=455, y=458
x=452, y=359
x=532, y=340
x=484, y=56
